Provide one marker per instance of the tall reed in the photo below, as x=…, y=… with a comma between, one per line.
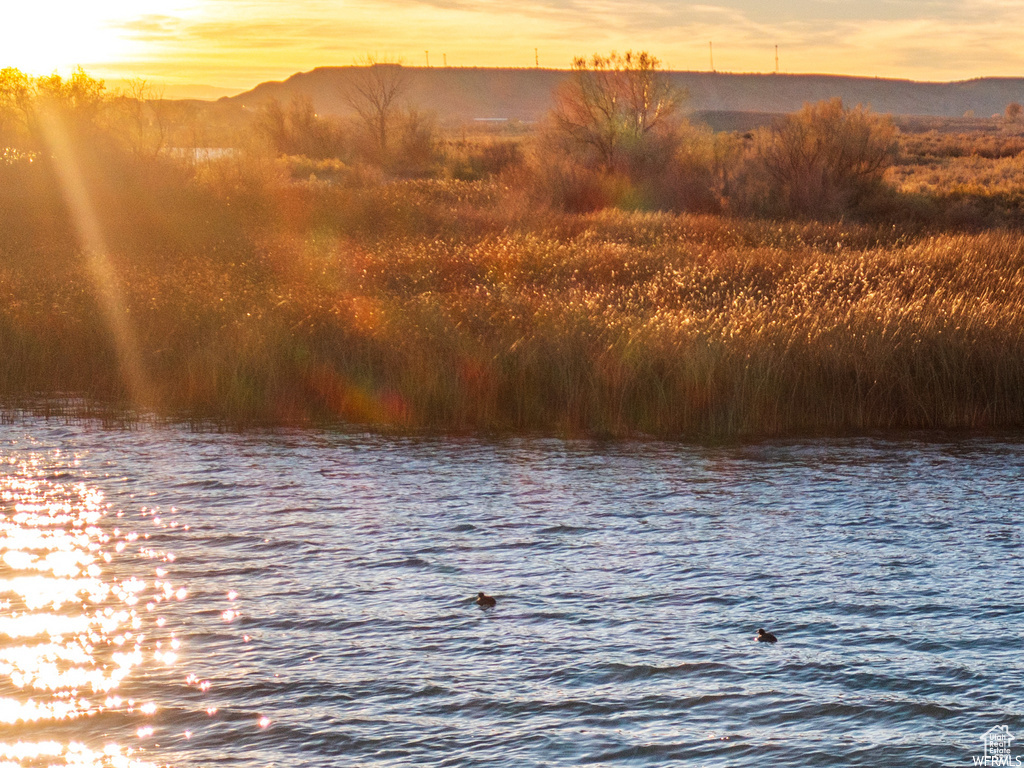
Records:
x=454, y=306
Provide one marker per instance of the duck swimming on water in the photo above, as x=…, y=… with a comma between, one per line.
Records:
x=485, y=601
x=766, y=637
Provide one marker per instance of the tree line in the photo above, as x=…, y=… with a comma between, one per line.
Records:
x=617, y=136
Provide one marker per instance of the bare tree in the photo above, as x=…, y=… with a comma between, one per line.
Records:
x=615, y=107
x=146, y=118
x=374, y=91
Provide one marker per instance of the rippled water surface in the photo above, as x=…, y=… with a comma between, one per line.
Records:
x=307, y=599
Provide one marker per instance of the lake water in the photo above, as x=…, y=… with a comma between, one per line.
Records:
x=307, y=599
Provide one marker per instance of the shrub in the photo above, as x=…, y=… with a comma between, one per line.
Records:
x=686, y=178
x=417, y=153
x=826, y=159
x=298, y=130
x=482, y=158
x=568, y=185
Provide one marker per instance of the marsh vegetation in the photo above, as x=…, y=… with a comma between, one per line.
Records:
x=672, y=282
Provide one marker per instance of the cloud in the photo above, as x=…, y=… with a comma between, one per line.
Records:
x=922, y=39
x=150, y=27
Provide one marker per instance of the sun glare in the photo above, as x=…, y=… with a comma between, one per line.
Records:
x=71, y=630
x=40, y=39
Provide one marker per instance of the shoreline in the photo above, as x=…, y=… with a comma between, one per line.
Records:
x=69, y=413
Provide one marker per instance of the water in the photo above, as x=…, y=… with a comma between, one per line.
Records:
x=306, y=599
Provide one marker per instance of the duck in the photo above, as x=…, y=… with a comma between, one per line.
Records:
x=766, y=637
x=485, y=601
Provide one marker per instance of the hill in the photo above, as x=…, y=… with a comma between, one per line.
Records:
x=462, y=94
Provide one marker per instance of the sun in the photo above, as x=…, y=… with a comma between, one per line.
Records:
x=44, y=37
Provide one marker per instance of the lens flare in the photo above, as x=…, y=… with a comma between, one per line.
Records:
x=90, y=235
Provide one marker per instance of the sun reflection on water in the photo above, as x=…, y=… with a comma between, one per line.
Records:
x=73, y=628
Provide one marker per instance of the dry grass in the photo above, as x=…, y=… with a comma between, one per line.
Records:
x=259, y=290
x=973, y=174
x=970, y=181
x=449, y=306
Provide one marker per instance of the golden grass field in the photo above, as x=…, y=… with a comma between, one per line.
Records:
x=448, y=306
x=243, y=288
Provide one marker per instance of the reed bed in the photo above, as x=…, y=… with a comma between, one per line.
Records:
x=455, y=306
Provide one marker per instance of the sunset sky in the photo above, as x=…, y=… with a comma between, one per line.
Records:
x=238, y=43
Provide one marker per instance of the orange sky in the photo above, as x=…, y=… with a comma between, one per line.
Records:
x=235, y=44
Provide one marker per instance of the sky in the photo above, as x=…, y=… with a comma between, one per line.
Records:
x=235, y=44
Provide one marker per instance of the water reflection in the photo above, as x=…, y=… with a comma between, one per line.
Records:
x=329, y=616
x=74, y=625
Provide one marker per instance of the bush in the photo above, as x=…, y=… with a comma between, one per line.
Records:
x=417, y=153
x=299, y=130
x=565, y=184
x=826, y=159
x=482, y=158
x=686, y=178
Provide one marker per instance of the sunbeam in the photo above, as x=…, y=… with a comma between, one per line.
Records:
x=94, y=247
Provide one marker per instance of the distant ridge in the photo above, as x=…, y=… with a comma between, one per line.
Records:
x=456, y=93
